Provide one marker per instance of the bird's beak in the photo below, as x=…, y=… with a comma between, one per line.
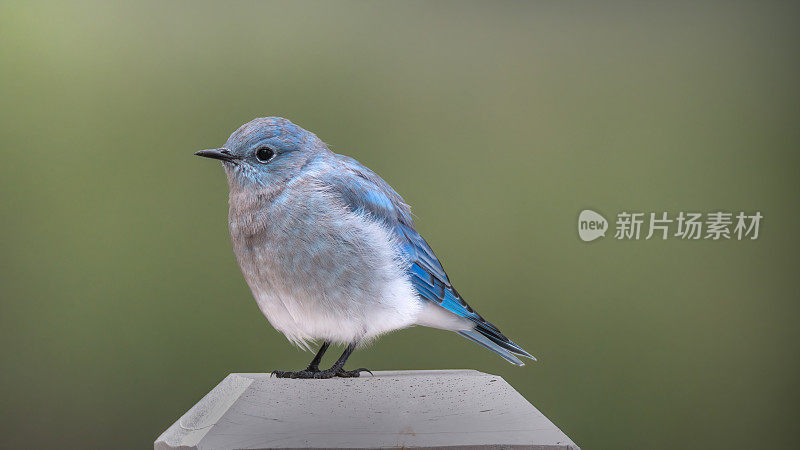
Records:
x=222, y=154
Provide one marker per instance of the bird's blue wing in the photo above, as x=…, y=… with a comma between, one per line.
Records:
x=424, y=271
x=365, y=192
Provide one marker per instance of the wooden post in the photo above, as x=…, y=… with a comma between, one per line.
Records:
x=420, y=409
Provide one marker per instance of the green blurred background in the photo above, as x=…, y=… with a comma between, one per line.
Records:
x=121, y=303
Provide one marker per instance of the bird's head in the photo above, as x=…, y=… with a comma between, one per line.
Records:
x=265, y=151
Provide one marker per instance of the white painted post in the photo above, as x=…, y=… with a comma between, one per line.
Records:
x=420, y=409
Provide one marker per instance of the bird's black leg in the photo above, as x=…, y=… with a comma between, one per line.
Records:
x=337, y=370
x=313, y=366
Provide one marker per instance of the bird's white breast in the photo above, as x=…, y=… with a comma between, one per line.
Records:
x=320, y=271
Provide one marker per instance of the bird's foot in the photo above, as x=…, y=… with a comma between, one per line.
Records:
x=352, y=373
x=299, y=374
x=320, y=374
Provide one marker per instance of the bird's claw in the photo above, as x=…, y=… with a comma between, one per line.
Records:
x=352, y=373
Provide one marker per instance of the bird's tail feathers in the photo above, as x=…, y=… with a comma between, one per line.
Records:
x=492, y=339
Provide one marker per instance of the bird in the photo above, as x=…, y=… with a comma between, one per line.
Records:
x=331, y=252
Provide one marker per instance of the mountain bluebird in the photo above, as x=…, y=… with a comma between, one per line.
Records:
x=330, y=250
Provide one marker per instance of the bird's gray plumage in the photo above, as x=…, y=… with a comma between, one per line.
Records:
x=329, y=249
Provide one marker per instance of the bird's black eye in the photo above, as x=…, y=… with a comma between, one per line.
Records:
x=264, y=154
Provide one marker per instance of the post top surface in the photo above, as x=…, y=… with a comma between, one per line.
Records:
x=424, y=408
